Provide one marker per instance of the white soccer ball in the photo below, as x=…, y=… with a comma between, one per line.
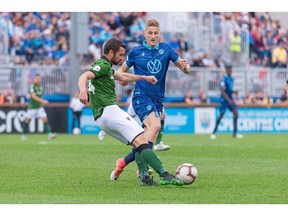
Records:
x=76, y=131
x=187, y=173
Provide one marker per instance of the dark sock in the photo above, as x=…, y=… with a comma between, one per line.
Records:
x=130, y=157
x=141, y=164
x=25, y=128
x=235, y=120
x=47, y=128
x=150, y=145
x=216, y=126
x=152, y=160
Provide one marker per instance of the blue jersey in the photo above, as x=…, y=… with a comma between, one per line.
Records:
x=227, y=84
x=151, y=61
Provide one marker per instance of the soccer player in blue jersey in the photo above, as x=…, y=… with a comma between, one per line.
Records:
x=150, y=58
x=227, y=101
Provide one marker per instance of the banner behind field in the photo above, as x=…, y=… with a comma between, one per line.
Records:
x=202, y=120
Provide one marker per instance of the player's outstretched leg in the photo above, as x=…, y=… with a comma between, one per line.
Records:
x=153, y=161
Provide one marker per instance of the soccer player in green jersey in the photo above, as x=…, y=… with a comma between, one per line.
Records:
x=36, y=109
x=111, y=118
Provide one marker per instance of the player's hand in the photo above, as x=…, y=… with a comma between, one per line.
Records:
x=184, y=65
x=151, y=79
x=83, y=97
x=45, y=102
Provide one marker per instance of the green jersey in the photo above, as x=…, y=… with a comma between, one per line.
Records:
x=39, y=91
x=102, y=88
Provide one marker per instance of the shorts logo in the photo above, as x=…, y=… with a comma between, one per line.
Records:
x=154, y=66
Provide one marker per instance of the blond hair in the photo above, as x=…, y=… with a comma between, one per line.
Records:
x=152, y=22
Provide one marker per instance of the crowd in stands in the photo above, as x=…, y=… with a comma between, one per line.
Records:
x=42, y=38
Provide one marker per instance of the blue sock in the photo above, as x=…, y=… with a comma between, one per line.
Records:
x=130, y=157
x=235, y=119
x=150, y=145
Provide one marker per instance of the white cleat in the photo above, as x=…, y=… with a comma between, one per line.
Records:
x=161, y=147
x=113, y=177
x=101, y=135
x=24, y=137
x=213, y=136
x=52, y=136
x=239, y=136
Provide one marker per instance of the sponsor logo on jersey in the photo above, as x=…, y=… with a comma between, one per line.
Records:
x=154, y=66
x=161, y=51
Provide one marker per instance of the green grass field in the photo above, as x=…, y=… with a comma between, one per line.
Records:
x=76, y=170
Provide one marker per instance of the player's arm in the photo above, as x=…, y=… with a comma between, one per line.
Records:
x=36, y=98
x=128, y=77
x=82, y=84
x=226, y=96
x=183, y=65
x=123, y=69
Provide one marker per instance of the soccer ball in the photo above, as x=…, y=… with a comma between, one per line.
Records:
x=76, y=131
x=187, y=173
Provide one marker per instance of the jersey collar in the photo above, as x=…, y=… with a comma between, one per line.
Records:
x=104, y=57
x=149, y=47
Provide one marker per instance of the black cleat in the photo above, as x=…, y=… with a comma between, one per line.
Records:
x=147, y=181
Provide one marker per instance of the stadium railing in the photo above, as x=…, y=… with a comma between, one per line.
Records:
x=55, y=80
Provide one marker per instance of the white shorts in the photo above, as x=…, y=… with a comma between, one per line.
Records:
x=131, y=110
x=36, y=113
x=119, y=124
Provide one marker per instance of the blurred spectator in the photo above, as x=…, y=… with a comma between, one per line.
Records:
x=258, y=47
x=183, y=43
x=77, y=108
x=235, y=48
x=8, y=94
x=279, y=55
x=259, y=98
x=284, y=98
x=173, y=42
x=238, y=100
x=202, y=98
x=208, y=60
x=1, y=98
x=136, y=31
x=189, y=55
x=189, y=98
x=219, y=62
x=198, y=60
x=249, y=98
x=269, y=44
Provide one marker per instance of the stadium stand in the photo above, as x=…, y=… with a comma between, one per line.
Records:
x=29, y=40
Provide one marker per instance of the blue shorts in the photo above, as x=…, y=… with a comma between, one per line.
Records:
x=224, y=105
x=144, y=105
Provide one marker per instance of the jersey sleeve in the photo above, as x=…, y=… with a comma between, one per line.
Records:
x=130, y=59
x=173, y=54
x=222, y=84
x=99, y=69
x=31, y=89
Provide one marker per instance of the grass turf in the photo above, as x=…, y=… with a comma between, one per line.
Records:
x=76, y=169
